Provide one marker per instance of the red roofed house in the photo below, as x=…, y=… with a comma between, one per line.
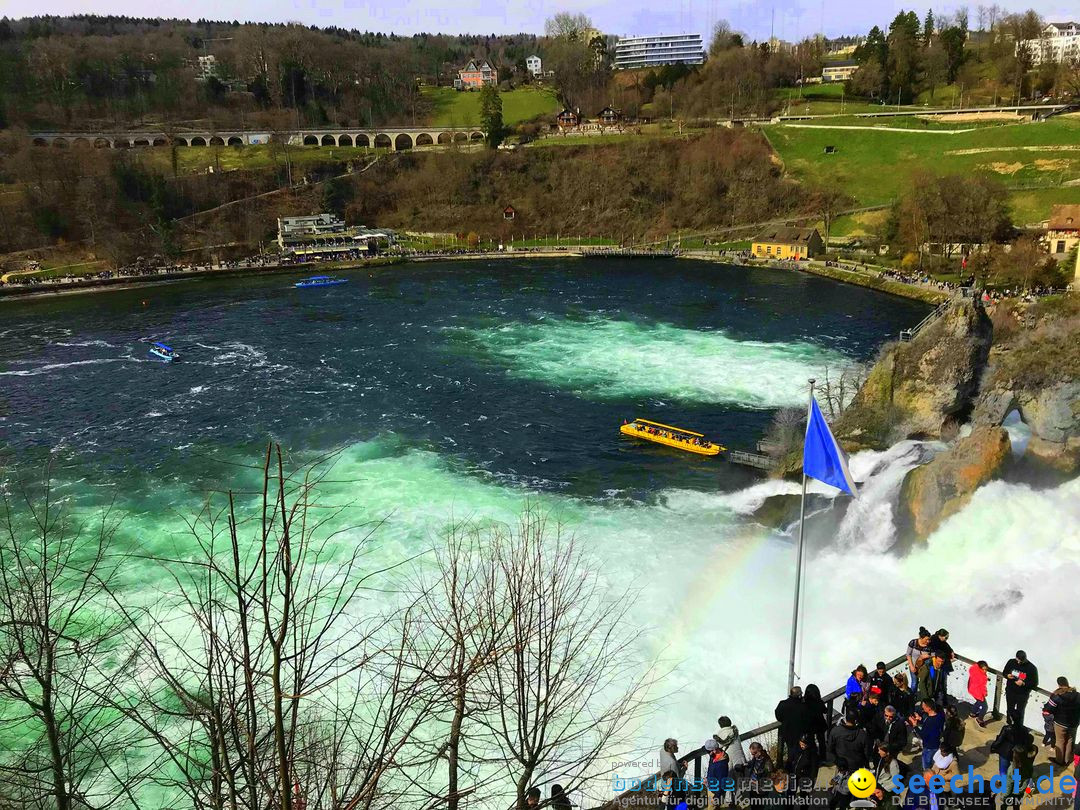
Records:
x=475, y=75
x=1063, y=230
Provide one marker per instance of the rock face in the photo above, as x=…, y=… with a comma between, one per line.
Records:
x=1052, y=413
x=924, y=388
x=941, y=488
x=781, y=511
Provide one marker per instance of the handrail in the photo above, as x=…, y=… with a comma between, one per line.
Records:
x=908, y=334
x=829, y=699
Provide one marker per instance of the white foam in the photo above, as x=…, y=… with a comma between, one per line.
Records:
x=604, y=358
x=50, y=367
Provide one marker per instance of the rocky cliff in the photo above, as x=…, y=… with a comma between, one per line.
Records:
x=942, y=487
x=1035, y=370
x=924, y=388
x=964, y=369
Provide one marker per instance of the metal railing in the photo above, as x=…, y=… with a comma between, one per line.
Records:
x=769, y=734
x=761, y=461
x=909, y=334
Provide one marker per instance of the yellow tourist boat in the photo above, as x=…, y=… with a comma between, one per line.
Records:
x=671, y=436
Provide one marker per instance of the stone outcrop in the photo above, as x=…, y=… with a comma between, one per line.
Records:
x=924, y=388
x=1052, y=413
x=941, y=488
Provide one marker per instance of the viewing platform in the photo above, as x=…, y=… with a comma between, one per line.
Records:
x=974, y=751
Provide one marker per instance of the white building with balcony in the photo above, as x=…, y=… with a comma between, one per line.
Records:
x=664, y=49
x=1060, y=42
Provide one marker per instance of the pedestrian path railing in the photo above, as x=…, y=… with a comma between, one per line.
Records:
x=746, y=458
x=909, y=334
x=695, y=763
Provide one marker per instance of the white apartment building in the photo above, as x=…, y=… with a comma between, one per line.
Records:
x=643, y=52
x=1060, y=42
x=534, y=65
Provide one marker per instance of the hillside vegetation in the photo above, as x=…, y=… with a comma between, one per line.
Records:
x=1020, y=155
x=451, y=107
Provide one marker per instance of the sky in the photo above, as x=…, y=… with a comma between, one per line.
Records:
x=789, y=19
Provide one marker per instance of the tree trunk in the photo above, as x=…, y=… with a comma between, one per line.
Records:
x=48, y=716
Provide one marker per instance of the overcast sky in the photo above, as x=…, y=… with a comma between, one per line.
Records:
x=791, y=20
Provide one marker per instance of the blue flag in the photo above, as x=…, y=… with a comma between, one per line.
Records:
x=823, y=459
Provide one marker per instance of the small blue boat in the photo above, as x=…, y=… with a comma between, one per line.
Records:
x=159, y=351
x=320, y=281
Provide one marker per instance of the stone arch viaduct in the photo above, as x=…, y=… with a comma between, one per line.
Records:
x=392, y=138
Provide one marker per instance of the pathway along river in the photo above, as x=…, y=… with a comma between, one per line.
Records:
x=465, y=388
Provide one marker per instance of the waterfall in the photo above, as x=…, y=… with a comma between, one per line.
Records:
x=869, y=522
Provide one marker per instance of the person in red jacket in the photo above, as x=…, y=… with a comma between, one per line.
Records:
x=977, y=690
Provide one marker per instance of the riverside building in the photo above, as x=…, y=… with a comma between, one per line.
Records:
x=664, y=49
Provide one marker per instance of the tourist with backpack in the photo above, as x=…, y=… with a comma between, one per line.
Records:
x=1063, y=711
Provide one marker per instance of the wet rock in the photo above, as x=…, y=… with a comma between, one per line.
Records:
x=1052, y=413
x=924, y=388
x=782, y=511
x=941, y=488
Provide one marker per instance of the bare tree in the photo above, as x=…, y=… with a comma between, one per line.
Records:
x=466, y=632
x=60, y=655
x=564, y=680
x=828, y=199
x=839, y=389
x=279, y=682
x=568, y=26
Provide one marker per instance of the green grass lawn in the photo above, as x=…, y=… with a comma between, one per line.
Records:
x=200, y=159
x=462, y=108
x=874, y=166
x=913, y=122
x=1033, y=205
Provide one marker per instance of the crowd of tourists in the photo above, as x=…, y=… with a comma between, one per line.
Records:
x=894, y=724
x=925, y=280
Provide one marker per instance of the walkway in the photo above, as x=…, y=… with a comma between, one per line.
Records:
x=975, y=750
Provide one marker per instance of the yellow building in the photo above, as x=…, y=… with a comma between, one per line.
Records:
x=839, y=71
x=788, y=243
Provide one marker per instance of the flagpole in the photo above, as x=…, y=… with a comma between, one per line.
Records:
x=799, y=564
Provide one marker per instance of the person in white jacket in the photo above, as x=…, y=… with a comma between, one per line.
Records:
x=728, y=737
x=668, y=763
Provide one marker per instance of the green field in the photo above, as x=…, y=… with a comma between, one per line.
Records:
x=462, y=108
x=200, y=159
x=875, y=166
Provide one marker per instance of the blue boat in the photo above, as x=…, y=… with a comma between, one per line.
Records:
x=159, y=351
x=319, y=281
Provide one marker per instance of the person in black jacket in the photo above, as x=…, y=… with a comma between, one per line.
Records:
x=804, y=763
x=1063, y=713
x=902, y=697
x=893, y=731
x=1013, y=736
x=794, y=717
x=820, y=716
x=940, y=644
x=849, y=745
x=1021, y=677
x=881, y=678
x=870, y=712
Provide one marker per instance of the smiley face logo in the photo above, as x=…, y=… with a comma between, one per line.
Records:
x=861, y=783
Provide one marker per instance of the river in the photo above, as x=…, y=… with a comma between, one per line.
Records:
x=466, y=388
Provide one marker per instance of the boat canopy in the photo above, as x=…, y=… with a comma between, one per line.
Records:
x=317, y=278
x=669, y=427
x=163, y=346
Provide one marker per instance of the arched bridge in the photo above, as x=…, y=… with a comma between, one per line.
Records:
x=393, y=138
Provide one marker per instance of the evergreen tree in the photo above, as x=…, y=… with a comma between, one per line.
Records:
x=928, y=29
x=491, y=117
